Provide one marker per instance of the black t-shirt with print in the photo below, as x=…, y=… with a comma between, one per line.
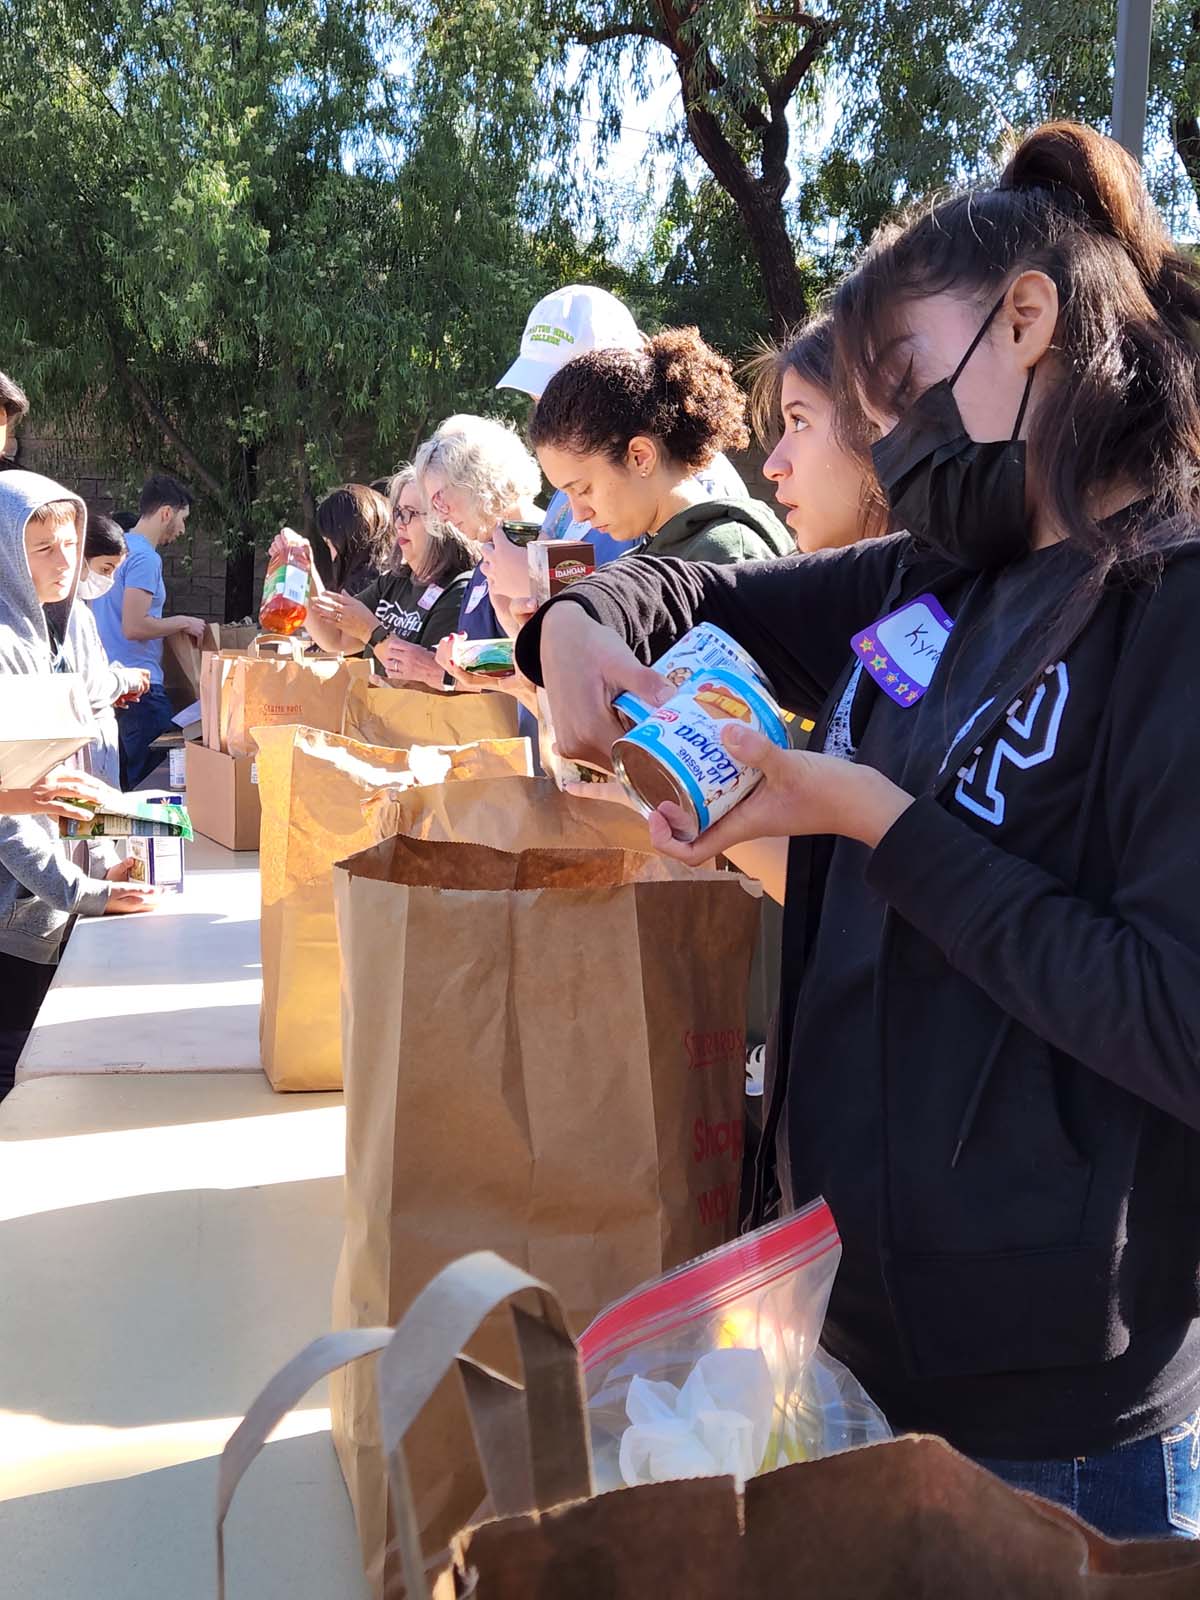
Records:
x=419, y=613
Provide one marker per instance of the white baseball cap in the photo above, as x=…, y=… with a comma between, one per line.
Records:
x=568, y=323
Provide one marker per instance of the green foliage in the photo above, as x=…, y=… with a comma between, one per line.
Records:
x=236, y=238
x=270, y=244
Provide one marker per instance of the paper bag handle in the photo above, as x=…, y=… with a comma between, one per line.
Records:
x=533, y=1442
x=287, y=644
x=273, y=644
x=284, y=1392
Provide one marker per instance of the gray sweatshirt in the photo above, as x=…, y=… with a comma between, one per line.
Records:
x=41, y=888
x=106, y=682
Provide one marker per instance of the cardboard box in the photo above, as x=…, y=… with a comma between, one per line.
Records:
x=222, y=796
x=44, y=719
x=159, y=862
x=555, y=564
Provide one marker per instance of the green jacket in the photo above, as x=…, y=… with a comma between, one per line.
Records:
x=723, y=531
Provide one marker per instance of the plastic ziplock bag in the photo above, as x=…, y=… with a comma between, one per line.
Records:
x=716, y=1367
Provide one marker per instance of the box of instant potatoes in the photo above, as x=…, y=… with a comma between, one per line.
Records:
x=555, y=564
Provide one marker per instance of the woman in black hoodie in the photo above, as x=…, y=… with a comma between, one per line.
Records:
x=990, y=1016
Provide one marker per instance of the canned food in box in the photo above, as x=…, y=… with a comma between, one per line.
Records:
x=703, y=647
x=676, y=753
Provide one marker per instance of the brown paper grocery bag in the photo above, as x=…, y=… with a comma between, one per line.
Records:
x=230, y=635
x=535, y=1046
x=887, y=1522
x=311, y=785
x=260, y=688
x=182, y=666
x=382, y=713
x=508, y=814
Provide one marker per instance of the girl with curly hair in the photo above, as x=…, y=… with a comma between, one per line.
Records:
x=623, y=433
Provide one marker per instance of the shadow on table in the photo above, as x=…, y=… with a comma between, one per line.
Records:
x=291, y=1534
x=168, y=1306
x=193, y=1039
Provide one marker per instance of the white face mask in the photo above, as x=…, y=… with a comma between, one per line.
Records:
x=93, y=584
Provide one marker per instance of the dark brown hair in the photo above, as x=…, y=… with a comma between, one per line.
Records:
x=105, y=537
x=1072, y=204
x=809, y=352
x=357, y=521
x=677, y=390
x=13, y=400
x=161, y=489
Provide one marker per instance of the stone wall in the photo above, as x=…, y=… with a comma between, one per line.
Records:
x=194, y=568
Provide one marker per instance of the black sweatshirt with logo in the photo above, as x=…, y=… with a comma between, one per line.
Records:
x=990, y=1024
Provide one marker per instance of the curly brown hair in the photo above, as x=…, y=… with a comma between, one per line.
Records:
x=677, y=390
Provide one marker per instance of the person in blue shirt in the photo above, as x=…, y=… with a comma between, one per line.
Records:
x=131, y=623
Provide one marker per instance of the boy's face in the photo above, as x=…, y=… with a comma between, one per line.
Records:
x=52, y=550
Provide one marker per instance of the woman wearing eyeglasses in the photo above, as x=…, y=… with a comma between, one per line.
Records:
x=403, y=614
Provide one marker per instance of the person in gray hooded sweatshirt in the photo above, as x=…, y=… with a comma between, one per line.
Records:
x=42, y=530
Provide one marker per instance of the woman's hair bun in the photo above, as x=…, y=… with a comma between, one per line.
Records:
x=1083, y=170
x=676, y=389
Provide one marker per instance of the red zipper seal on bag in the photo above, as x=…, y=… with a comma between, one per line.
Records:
x=701, y=1286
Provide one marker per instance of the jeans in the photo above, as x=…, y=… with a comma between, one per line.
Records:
x=138, y=725
x=1146, y=1490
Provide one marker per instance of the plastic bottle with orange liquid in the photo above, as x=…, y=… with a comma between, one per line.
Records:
x=285, y=590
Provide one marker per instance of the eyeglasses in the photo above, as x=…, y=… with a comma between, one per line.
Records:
x=403, y=515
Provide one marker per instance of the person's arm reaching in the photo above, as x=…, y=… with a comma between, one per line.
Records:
x=1114, y=981
x=60, y=793
x=138, y=625
x=30, y=855
x=794, y=616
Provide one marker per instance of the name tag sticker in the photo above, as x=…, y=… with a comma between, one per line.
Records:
x=474, y=599
x=901, y=651
x=434, y=592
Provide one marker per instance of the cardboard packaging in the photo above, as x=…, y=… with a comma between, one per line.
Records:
x=555, y=564
x=159, y=863
x=159, y=816
x=222, y=793
x=43, y=720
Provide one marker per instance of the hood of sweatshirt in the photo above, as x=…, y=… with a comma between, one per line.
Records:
x=683, y=529
x=25, y=623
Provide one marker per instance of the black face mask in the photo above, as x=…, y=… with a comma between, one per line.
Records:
x=962, y=499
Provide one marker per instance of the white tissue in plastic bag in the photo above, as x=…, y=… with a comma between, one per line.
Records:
x=716, y=1368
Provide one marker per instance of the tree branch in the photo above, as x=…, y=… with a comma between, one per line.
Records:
x=699, y=73
x=620, y=30
x=167, y=429
x=793, y=19
x=1185, y=135
x=797, y=69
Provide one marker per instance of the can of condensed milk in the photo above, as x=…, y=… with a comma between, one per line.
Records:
x=675, y=751
x=702, y=647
